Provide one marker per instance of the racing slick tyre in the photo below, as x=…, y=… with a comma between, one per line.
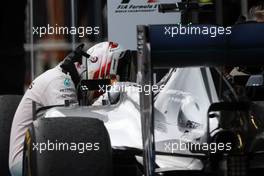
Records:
x=8, y=106
x=237, y=165
x=67, y=146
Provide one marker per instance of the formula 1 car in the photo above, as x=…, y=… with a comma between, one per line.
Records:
x=194, y=123
x=121, y=117
x=178, y=108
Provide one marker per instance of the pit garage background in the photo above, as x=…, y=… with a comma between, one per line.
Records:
x=24, y=56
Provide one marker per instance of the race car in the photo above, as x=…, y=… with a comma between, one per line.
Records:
x=181, y=114
x=136, y=129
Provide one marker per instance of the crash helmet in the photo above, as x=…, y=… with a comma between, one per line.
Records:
x=103, y=61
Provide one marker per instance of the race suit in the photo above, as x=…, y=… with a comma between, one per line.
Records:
x=51, y=88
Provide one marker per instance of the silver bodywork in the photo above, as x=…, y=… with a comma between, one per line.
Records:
x=186, y=96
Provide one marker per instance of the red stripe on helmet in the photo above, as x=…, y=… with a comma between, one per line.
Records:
x=113, y=45
x=152, y=1
x=108, y=68
x=96, y=74
x=103, y=71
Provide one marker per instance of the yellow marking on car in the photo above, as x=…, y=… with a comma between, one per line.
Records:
x=240, y=141
x=253, y=121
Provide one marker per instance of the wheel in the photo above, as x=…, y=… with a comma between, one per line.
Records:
x=237, y=165
x=8, y=106
x=55, y=146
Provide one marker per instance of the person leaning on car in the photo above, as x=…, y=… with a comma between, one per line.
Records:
x=57, y=85
x=51, y=88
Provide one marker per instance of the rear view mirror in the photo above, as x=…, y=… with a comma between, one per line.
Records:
x=255, y=88
x=255, y=81
x=228, y=112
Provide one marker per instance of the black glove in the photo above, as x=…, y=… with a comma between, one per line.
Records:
x=68, y=63
x=77, y=54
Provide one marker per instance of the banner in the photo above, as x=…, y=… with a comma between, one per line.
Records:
x=125, y=15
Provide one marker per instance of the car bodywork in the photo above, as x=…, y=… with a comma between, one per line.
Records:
x=180, y=111
x=158, y=50
x=181, y=114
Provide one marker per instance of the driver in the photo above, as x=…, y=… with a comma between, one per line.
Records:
x=57, y=85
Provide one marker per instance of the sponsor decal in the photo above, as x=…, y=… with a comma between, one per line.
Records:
x=31, y=86
x=128, y=6
x=148, y=1
x=67, y=90
x=94, y=59
x=67, y=82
